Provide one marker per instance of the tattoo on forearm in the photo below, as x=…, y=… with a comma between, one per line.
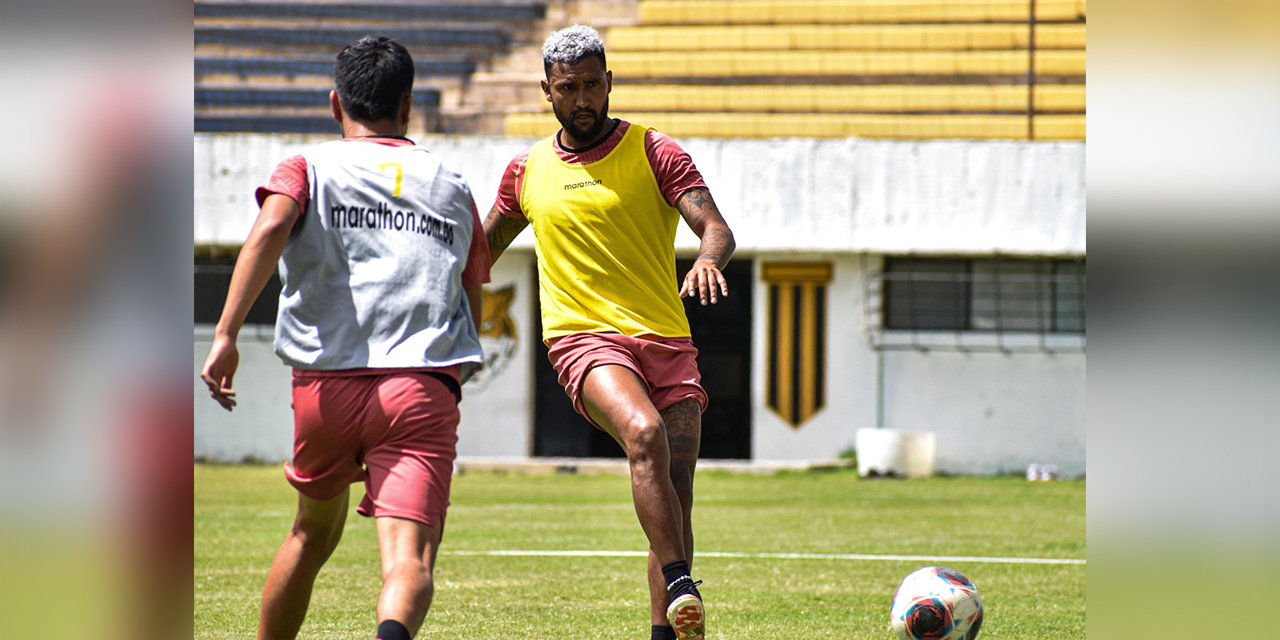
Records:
x=500, y=231
x=717, y=246
x=700, y=211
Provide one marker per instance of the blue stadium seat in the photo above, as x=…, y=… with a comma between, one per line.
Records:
x=265, y=124
x=288, y=97
x=424, y=66
x=266, y=65
x=337, y=36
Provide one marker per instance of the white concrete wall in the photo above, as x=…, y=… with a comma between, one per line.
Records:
x=899, y=197
x=992, y=412
x=261, y=426
x=779, y=195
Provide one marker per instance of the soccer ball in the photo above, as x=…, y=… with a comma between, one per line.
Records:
x=936, y=603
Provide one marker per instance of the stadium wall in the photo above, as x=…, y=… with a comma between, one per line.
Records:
x=844, y=202
x=795, y=194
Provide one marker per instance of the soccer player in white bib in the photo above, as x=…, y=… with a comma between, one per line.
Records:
x=382, y=255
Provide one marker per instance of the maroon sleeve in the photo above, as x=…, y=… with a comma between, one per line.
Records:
x=290, y=179
x=508, y=202
x=672, y=166
x=476, y=272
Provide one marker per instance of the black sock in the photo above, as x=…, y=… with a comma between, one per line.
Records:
x=663, y=633
x=675, y=571
x=392, y=630
x=678, y=581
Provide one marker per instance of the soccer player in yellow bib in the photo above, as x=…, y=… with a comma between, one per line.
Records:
x=604, y=197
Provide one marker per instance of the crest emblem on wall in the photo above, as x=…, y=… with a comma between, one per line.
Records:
x=499, y=337
x=797, y=347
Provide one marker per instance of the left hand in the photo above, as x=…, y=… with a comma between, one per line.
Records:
x=704, y=279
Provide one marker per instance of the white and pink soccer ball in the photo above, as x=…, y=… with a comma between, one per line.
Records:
x=936, y=603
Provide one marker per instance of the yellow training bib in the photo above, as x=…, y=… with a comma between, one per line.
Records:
x=605, y=241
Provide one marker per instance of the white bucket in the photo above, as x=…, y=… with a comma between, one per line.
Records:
x=898, y=453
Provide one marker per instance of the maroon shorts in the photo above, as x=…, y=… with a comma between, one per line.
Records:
x=668, y=366
x=397, y=431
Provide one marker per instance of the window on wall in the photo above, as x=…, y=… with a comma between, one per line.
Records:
x=1068, y=296
x=992, y=295
x=926, y=294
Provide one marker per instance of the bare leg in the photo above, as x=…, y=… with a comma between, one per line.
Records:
x=408, y=559
x=619, y=402
x=684, y=429
x=287, y=593
x=684, y=435
x=661, y=456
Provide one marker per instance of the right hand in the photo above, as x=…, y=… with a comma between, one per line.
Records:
x=219, y=369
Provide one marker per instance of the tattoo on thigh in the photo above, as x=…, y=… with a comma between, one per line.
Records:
x=684, y=426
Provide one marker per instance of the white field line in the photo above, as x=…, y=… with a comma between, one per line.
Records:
x=782, y=556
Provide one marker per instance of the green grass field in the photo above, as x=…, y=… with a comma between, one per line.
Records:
x=242, y=513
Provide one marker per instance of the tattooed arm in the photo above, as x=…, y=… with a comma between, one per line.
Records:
x=500, y=230
x=701, y=214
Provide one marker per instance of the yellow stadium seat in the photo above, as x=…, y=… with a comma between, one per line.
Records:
x=765, y=63
x=998, y=98
x=767, y=38
x=991, y=37
x=912, y=12
x=533, y=125
x=844, y=37
x=841, y=13
x=661, y=13
x=1059, y=127
x=836, y=64
x=989, y=62
x=748, y=12
x=1062, y=10
x=742, y=99
x=1067, y=63
x=893, y=36
x=767, y=125
x=849, y=11
x=698, y=99
x=756, y=64
x=830, y=98
x=715, y=63
x=878, y=12
x=754, y=40
x=668, y=98
x=950, y=39
x=790, y=98
x=922, y=99
x=1060, y=97
x=1060, y=36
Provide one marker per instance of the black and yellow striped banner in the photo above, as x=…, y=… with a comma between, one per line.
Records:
x=797, y=338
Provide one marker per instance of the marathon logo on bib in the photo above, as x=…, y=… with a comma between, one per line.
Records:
x=581, y=185
x=388, y=219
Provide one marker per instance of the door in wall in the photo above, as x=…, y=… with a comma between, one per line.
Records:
x=721, y=332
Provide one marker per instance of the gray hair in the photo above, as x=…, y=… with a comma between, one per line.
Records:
x=570, y=45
